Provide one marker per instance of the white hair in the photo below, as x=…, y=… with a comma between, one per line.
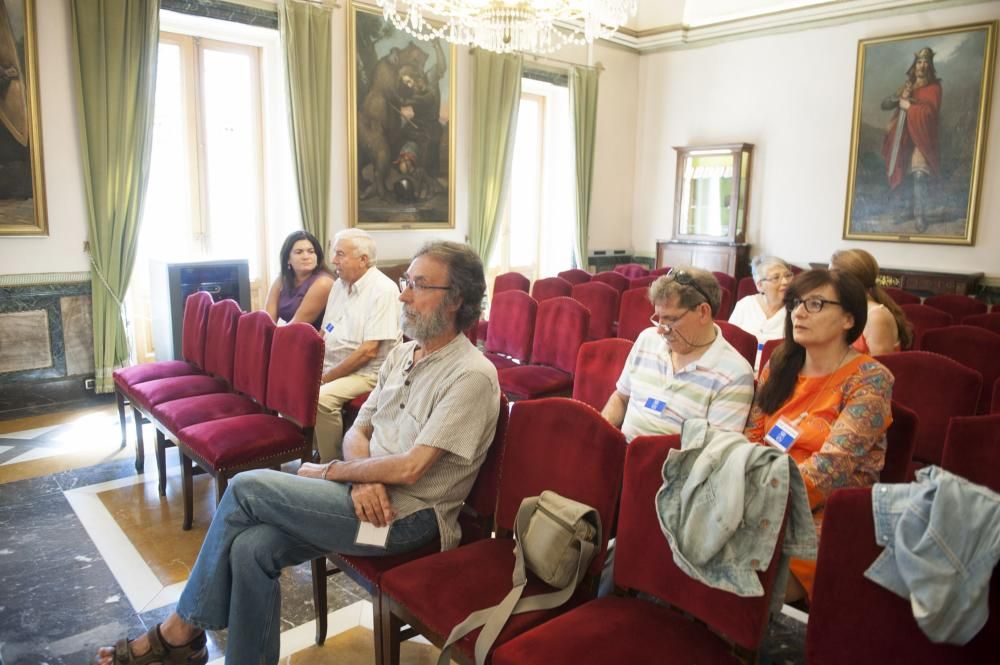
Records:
x=364, y=244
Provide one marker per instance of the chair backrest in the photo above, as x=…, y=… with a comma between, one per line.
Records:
x=995, y=404
x=550, y=287
x=956, y=305
x=602, y=301
x=598, y=366
x=220, y=339
x=972, y=449
x=560, y=329
x=741, y=340
x=660, y=271
x=901, y=297
x=575, y=276
x=510, y=281
x=745, y=287
x=512, y=324
x=769, y=348
x=641, y=282
x=483, y=495
x=634, y=312
x=976, y=348
x=726, y=304
x=900, y=439
x=294, y=372
x=254, y=335
x=725, y=280
x=644, y=561
x=924, y=318
x=193, y=328
x=989, y=321
x=632, y=270
x=850, y=615
x=795, y=269
x=544, y=437
x=936, y=388
x=612, y=278
x=996, y=307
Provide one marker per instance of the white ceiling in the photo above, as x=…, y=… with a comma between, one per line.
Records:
x=661, y=13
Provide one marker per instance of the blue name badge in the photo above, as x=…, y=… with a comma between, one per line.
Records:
x=329, y=327
x=782, y=435
x=655, y=405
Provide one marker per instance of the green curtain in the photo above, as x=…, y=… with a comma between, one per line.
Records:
x=115, y=44
x=583, y=95
x=496, y=94
x=306, y=38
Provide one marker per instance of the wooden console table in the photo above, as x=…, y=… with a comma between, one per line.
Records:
x=730, y=258
x=927, y=283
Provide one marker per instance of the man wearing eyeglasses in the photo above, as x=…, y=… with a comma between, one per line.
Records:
x=682, y=367
x=360, y=327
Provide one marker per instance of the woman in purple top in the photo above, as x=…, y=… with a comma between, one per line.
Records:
x=300, y=293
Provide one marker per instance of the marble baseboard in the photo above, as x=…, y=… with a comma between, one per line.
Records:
x=20, y=399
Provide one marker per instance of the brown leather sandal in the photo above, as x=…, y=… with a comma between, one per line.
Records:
x=194, y=652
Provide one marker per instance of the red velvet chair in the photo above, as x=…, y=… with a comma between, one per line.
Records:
x=623, y=628
x=641, y=282
x=974, y=347
x=660, y=271
x=725, y=280
x=769, y=348
x=575, y=276
x=995, y=404
x=936, y=388
x=560, y=329
x=924, y=318
x=192, y=351
x=741, y=340
x=227, y=446
x=612, y=278
x=745, y=287
x=996, y=307
x=972, y=449
x=990, y=321
x=726, y=304
x=958, y=306
x=901, y=297
x=795, y=269
x=901, y=438
x=510, y=281
x=634, y=313
x=220, y=341
x=254, y=333
x=476, y=521
x=632, y=270
x=602, y=302
x=512, y=328
x=552, y=444
x=852, y=619
x=550, y=287
x=598, y=366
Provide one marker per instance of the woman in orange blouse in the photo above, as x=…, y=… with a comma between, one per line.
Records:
x=817, y=392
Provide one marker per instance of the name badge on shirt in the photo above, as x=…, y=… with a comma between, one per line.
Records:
x=782, y=435
x=654, y=405
x=329, y=327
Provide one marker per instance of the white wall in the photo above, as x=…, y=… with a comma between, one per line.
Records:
x=792, y=96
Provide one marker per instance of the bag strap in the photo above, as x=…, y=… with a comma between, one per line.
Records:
x=494, y=618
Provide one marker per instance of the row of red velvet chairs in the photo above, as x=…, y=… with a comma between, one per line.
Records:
x=244, y=397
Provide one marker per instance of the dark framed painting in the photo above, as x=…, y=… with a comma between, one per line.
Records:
x=401, y=126
x=22, y=182
x=918, y=139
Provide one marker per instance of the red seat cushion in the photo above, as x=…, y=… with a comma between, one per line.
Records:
x=232, y=442
x=151, y=393
x=181, y=413
x=500, y=362
x=126, y=377
x=444, y=588
x=535, y=381
x=616, y=630
x=368, y=570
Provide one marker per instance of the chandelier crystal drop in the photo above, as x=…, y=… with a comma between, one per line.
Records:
x=506, y=26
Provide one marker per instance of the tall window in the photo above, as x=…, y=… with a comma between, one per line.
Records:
x=539, y=219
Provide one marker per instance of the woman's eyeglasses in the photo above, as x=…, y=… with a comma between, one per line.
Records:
x=812, y=305
x=786, y=277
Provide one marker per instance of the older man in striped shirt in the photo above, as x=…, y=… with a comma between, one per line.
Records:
x=682, y=367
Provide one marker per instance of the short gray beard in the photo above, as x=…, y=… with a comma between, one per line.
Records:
x=424, y=327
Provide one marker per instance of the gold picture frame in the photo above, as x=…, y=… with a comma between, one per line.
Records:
x=22, y=187
x=917, y=153
x=400, y=174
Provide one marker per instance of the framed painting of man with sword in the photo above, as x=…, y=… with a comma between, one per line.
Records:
x=918, y=139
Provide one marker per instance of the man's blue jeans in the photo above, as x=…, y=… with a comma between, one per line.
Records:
x=269, y=520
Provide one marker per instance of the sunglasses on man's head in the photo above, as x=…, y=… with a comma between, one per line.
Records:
x=684, y=278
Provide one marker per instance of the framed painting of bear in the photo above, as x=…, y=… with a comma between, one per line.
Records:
x=400, y=118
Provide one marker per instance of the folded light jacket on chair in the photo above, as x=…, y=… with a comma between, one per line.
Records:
x=721, y=508
x=942, y=541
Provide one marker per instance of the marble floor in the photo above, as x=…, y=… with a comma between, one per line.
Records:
x=90, y=552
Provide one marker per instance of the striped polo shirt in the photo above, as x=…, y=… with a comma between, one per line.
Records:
x=450, y=399
x=717, y=386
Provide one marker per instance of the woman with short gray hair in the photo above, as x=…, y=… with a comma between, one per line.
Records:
x=762, y=314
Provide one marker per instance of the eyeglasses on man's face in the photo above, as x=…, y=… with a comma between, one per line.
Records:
x=418, y=285
x=667, y=322
x=813, y=305
x=685, y=278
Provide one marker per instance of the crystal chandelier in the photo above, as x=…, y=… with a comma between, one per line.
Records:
x=504, y=26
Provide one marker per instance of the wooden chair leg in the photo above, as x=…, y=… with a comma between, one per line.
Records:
x=319, y=597
x=120, y=400
x=390, y=628
x=377, y=627
x=187, y=477
x=221, y=483
x=140, y=452
x=161, y=462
